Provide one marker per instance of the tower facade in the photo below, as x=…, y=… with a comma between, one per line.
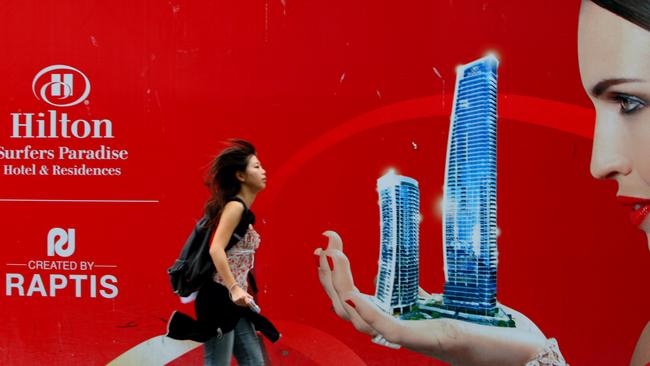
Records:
x=398, y=277
x=470, y=206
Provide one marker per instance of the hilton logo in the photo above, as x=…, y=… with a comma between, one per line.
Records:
x=59, y=86
x=57, y=83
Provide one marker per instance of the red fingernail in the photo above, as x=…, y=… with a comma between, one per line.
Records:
x=317, y=261
x=349, y=302
x=330, y=262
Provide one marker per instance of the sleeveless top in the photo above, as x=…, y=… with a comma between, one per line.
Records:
x=241, y=258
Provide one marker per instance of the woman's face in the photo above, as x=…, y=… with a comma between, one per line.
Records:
x=614, y=57
x=255, y=175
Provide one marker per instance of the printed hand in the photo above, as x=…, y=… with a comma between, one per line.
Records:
x=453, y=341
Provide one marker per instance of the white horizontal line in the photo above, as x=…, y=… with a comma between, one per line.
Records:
x=105, y=266
x=16, y=264
x=75, y=201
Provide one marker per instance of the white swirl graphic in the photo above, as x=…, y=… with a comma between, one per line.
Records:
x=156, y=351
x=43, y=91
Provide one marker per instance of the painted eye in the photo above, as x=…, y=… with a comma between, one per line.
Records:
x=629, y=104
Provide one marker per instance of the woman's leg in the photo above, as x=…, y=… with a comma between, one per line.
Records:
x=247, y=348
x=218, y=351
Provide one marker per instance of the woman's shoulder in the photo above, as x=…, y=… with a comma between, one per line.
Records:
x=233, y=210
x=246, y=213
x=237, y=199
x=234, y=204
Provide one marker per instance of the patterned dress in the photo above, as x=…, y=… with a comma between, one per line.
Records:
x=241, y=258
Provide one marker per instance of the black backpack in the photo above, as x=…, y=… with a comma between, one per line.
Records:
x=194, y=265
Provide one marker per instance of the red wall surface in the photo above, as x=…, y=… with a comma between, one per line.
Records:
x=332, y=93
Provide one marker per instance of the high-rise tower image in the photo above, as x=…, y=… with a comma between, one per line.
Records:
x=398, y=277
x=470, y=208
x=470, y=199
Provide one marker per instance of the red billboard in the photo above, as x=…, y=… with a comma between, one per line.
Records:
x=112, y=112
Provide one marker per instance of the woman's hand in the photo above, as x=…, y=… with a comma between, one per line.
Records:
x=239, y=296
x=450, y=340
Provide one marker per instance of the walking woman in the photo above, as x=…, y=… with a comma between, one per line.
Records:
x=227, y=316
x=235, y=179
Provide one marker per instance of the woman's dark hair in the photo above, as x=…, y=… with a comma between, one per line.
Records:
x=635, y=11
x=222, y=178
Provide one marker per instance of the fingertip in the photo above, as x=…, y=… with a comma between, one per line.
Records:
x=329, y=233
x=335, y=241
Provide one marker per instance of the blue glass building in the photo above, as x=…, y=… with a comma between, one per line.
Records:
x=398, y=277
x=470, y=206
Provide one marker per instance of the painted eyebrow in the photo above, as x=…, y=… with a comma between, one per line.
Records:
x=603, y=85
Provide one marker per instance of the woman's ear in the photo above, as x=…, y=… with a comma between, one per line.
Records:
x=241, y=176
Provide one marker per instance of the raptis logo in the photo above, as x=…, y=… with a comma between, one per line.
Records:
x=56, y=85
x=52, y=277
x=57, y=239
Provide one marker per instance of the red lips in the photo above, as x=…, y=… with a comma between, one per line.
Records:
x=640, y=208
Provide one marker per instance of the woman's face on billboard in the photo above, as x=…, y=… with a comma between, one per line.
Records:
x=614, y=56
